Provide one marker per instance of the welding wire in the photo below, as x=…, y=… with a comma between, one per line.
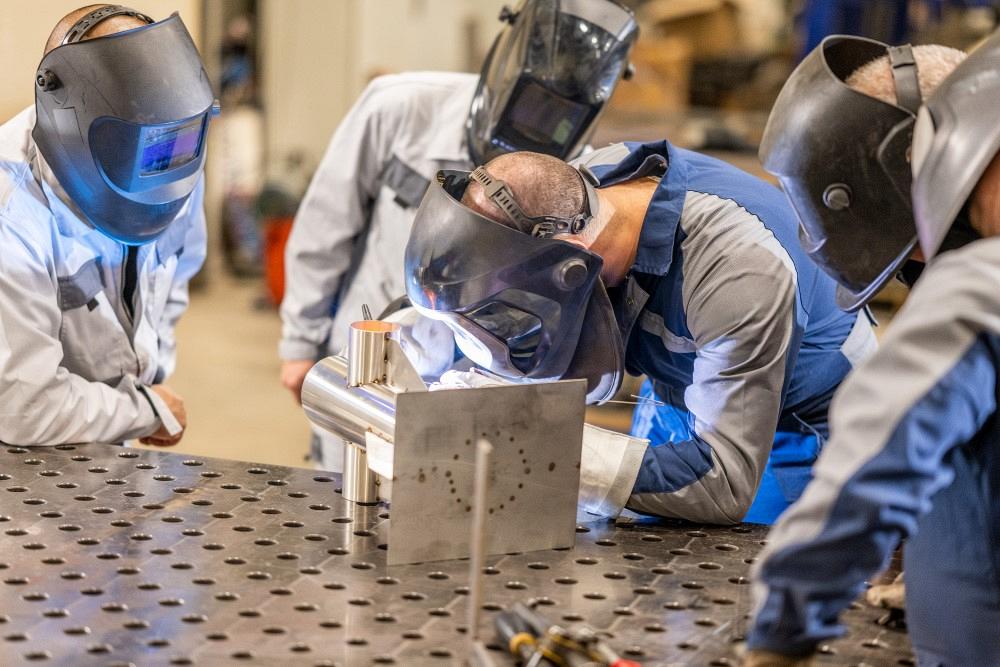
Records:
x=483, y=452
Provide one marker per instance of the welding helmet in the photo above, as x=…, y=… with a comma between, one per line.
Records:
x=548, y=76
x=122, y=120
x=956, y=138
x=842, y=158
x=521, y=304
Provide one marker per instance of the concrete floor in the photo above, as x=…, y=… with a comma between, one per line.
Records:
x=227, y=373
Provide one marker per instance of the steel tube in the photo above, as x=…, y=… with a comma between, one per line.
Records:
x=359, y=482
x=348, y=412
x=366, y=354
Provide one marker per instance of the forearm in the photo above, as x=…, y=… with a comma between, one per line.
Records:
x=876, y=478
x=70, y=409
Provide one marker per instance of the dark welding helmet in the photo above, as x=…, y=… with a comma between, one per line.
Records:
x=956, y=138
x=548, y=76
x=842, y=158
x=122, y=120
x=520, y=303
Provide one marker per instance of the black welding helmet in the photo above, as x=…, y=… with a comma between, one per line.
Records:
x=122, y=121
x=548, y=76
x=842, y=158
x=520, y=303
x=956, y=138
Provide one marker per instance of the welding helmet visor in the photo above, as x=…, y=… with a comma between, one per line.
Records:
x=521, y=306
x=842, y=158
x=122, y=122
x=548, y=76
x=956, y=138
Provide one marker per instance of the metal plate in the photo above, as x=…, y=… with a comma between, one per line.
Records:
x=536, y=431
x=116, y=557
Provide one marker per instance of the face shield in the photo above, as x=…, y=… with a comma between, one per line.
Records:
x=548, y=76
x=122, y=121
x=955, y=140
x=842, y=159
x=526, y=307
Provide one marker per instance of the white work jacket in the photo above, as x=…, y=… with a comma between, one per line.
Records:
x=347, y=244
x=74, y=365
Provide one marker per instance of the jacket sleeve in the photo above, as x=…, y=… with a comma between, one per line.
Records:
x=929, y=389
x=41, y=402
x=332, y=218
x=743, y=346
x=188, y=264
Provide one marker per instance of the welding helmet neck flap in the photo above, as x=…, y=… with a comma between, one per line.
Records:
x=843, y=161
x=955, y=140
x=122, y=121
x=548, y=76
x=521, y=304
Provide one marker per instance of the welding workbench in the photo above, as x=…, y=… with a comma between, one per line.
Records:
x=115, y=556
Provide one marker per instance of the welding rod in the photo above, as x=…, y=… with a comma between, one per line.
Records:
x=483, y=452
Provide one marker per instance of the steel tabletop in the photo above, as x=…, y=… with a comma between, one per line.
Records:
x=114, y=556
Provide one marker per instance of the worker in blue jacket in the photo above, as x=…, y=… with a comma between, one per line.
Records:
x=645, y=258
x=915, y=434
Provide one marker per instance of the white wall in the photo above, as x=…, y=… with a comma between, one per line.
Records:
x=317, y=56
x=26, y=24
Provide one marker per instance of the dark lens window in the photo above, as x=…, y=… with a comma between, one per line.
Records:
x=546, y=118
x=520, y=330
x=168, y=147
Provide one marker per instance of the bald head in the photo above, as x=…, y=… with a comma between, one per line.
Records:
x=541, y=184
x=108, y=26
x=934, y=64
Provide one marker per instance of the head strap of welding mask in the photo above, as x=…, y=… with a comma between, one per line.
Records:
x=542, y=226
x=906, y=77
x=91, y=21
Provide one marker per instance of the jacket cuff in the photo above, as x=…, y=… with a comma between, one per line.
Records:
x=609, y=466
x=163, y=413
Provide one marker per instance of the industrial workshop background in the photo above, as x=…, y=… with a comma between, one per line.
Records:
x=286, y=71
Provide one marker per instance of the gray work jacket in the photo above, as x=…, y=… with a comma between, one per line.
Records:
x=74, y=366
x=347, y=243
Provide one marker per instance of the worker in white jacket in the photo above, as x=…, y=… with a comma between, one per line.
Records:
x=346, y=246
x=101, y=226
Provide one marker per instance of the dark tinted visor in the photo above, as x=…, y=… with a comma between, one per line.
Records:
x=165, y=147
x=540, y=120
x=137, y=158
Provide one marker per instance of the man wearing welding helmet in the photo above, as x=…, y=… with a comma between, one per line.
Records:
x=653, y=260
x=850, y=183
x=101, y=226
x=914, y=445
x=543, y=86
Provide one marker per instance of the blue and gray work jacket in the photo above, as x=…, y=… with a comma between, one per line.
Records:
x=738, y=332
x=914, y=452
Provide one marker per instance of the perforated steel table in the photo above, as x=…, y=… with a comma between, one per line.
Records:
x=116, y=556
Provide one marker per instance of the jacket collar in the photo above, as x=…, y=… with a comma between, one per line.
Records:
x=662, y=222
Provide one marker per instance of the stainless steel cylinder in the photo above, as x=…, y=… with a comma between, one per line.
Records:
x=360, y=484
x=366, y=354
x=349, y=412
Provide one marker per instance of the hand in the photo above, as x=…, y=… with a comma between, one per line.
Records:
x=293, y=374
x=160, y=438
